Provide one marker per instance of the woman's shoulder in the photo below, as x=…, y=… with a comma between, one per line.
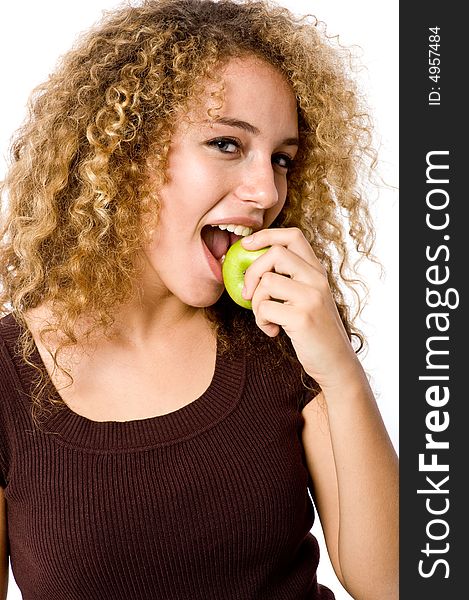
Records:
x=276, y=373
x=279, y=374
x=10, y=332
x=10, y=402
x=9, y=335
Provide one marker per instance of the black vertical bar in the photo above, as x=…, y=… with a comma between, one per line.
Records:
x=434, y=330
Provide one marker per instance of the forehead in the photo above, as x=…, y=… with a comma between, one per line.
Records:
x=248, y=89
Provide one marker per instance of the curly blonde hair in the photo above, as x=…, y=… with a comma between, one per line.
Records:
x=76, y=189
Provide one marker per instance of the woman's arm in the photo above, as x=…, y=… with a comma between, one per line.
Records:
x=352, y=462
x=4, y=564
x=354, y=469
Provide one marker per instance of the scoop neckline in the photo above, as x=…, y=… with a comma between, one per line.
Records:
x=74, y=430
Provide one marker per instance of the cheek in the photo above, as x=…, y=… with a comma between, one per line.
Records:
x=192, y=190
x=188, y=169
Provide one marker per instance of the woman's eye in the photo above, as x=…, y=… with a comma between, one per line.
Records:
x=283, y=160
x=225, y=145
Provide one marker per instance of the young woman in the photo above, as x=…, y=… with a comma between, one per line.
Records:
x=156, y=439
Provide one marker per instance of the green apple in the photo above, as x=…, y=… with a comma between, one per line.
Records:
x=237, y=260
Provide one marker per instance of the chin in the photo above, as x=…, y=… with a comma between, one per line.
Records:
x=203, y=299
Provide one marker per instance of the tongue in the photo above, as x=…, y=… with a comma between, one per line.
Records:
x=217, y=241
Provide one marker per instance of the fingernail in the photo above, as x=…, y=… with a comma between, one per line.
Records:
x=244, y=292
x=248, y=239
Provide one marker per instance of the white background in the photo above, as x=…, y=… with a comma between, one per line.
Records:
x=34, y=34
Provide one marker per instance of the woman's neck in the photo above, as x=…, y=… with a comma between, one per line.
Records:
x=137, y=325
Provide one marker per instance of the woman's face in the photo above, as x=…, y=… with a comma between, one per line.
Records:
x=227, y=170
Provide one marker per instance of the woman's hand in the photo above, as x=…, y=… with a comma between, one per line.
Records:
x=291, y=273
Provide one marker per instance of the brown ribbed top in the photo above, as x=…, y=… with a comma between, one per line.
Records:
x=208, y=502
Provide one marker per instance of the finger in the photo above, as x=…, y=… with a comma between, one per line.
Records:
x=273, y=286
x=289, y=237
x=270, y=329
x=303, y=298
x=280, y=260
x=271, y=315
x=277, y=289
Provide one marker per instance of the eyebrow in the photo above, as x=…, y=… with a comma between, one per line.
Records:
x=245, y=126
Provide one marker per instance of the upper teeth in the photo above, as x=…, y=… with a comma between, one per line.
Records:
x=236, y=229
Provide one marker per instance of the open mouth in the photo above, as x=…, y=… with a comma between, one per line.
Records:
x=217, y=239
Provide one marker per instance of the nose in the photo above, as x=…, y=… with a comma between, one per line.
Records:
x=257, y=184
